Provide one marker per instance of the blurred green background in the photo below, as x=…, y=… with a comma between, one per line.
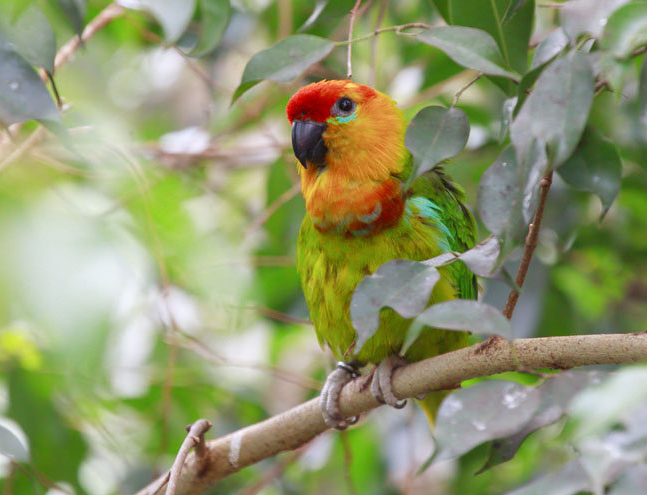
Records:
x=147, y=261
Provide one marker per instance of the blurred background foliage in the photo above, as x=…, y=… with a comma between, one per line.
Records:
x=147, y=253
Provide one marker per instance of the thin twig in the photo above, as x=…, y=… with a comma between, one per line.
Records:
x=353, y=13
x=397, y=29
x=530, y=244
x=194, y=438
x=41, y=478
x=299, y=425
x=458, y=93
x=378, y=22
x=271, y=474
x=348, y=462
x=271, y=209
x=200, y=348
x=285, y=18
x=24, y=147
x=278, y=316
x=191, y=64
x=103, y=18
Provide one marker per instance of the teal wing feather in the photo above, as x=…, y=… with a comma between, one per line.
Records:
x=438, y=188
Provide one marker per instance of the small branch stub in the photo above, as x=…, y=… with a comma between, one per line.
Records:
x=194, y=438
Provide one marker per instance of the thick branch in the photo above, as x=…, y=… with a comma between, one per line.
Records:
x=293, y=428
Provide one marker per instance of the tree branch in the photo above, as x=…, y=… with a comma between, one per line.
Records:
x=297, y=426
x=530, y=245
x=353, y=13
x=194, y=438
x=103, y=18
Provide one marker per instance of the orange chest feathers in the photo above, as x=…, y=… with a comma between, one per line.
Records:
x=353, y=209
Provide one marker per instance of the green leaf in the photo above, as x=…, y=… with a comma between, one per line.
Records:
x=466, y=315
x=435, y=134
x=319, y=7
x=31, y=35
x=508, y=22
x=402, y=285
x=625, y=30
x=215, y=16
x=15, y=8
x=488, y=410
x=173, y=15
x=642, y=94
x=556, y=111
x=469, y=47
x=23, y=95
x=75, y=12
x=587, y=16
x=284, y=61
x=595, y=166
x=11, y=445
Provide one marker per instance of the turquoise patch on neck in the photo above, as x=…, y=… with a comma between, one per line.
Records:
x=343, y=119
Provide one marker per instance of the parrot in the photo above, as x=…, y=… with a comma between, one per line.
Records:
x=349, y=142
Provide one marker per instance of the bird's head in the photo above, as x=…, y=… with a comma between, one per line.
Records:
x=348, y=130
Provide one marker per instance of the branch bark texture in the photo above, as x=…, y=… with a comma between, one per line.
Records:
x=294, y=428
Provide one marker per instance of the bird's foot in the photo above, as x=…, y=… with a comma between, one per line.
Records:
x=330, y=393
x=381, y=386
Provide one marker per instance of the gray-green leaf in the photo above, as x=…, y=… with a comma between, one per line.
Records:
x=12, y=445
x=469, y=47
x=587, y=16
x=284, y=61
x=481, y=259
x=571, y=479
x=550, y=47
x=31, y=35
x=23, y=95
x=465, y=314
x=435, y=134
x=595, y=166
x=173, y=15
x=555, y=393
x=488, y=410
x=556, y=111
x=75, y=12
x=500, y=196
x=402, y=285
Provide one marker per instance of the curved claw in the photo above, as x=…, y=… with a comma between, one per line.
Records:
x=381, y=387
x=330, y=394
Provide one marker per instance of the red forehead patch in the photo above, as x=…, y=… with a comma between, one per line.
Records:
x=314, y=101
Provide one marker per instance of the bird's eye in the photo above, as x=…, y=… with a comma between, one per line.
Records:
x=344, y=106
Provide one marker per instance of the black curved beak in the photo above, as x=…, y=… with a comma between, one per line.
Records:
x=308, y=143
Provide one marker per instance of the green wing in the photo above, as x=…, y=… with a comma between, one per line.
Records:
x=437, y=186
